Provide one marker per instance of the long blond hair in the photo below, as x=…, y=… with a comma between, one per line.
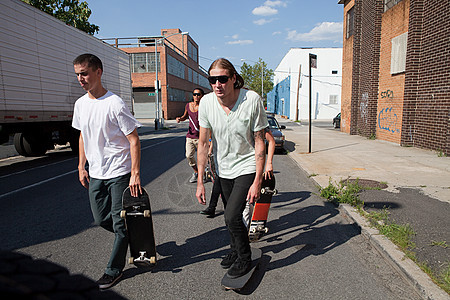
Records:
x=223, y=63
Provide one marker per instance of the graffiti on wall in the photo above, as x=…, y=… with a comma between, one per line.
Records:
x=387, y=94
x=388, y=120
x=363, y=107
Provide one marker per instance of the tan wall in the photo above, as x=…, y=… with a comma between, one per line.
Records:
x=347, y=65
x=391, y=87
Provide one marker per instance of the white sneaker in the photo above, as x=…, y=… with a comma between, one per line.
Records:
x=193, y=178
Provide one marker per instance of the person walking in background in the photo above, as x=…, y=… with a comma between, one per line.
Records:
x=109, y=142
x=236, y=119
x=191, y=113
x=216, y=192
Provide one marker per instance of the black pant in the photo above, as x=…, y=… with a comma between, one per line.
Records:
x=235, y=194
x=215, y=194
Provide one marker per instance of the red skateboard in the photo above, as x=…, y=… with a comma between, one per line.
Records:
x=258, y=222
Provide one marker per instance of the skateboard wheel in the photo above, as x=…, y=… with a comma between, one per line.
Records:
x=131, y=260
x=123, y=214
x=266, y=230
x=153, y=260
x=263, y=191
x=146, y=213
x=252, y=230
x=275, y=191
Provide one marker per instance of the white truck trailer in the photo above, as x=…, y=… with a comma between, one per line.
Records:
x=38, y=86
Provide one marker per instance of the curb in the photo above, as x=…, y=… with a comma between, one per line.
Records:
x=421, y=282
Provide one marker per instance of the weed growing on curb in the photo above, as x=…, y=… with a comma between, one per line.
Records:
x=442, y=244
x=399, y=234
x=441, y=153
x=342, y=193
x=446, y=279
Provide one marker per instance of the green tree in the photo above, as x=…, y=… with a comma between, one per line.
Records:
x=252, y=77
x=71, y=12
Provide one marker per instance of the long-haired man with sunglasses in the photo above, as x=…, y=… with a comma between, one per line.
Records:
x=191, y=113
x=236, y=119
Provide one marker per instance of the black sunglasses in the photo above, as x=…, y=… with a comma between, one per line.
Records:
x=196, y=94
x=221, y=78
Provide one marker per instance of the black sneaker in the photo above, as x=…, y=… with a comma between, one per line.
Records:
x=108, y=281
x=211, y=212
x=239, y=268
x=229, y=259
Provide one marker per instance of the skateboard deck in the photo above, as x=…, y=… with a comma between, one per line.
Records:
x=138, y=218
x=239, y=282
x=210, y=169
x=258, y=222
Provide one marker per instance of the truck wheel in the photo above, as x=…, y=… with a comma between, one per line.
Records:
x=18, y=144
x=29, y=144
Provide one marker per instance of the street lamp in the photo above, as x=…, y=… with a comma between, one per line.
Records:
x=160, y=121
x=262, y=75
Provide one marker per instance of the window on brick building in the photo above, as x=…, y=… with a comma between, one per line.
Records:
x=144, y=62
x=388, y=4
x=398, y=53
x=350, y=21
x=175, y=67
x=176, y=95
x=192, y=51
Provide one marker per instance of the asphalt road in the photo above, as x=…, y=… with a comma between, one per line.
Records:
x=311, y=251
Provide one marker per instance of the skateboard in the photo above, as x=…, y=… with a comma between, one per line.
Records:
x=138, y=218
x=258, y=222
x=210, y=169
x=239, y=282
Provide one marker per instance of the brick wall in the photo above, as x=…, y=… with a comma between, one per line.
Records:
x=365, y=66
x=391, y=87
x=413, y=107
x=427, y=83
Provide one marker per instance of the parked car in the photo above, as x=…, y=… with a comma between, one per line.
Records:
x=275, y=128
x=337, y=121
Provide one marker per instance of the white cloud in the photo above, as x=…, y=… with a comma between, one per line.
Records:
x=263, y=21
x=275, y=3
x=236, y=36
x=322, y=32
x=264, y=11
x=240, y=42
x=276, y=33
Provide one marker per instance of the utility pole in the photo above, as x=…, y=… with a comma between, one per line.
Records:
x=312, y=64
x=298, y=91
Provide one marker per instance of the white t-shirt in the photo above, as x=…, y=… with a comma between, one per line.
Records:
x=104, y=124
x=233, y=134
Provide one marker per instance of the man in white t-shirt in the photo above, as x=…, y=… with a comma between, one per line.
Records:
x=236, y=119
x=109, y=142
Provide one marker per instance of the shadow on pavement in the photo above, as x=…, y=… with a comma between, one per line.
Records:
x=22, y=277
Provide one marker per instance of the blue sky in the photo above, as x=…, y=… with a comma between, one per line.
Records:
x=235, y=29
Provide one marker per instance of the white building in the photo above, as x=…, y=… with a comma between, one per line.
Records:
x=287, y=97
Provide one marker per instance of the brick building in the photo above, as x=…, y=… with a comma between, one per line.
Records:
x=178, y=71
x=396, y=71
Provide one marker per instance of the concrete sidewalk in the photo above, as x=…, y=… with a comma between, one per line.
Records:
x=338, y=156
